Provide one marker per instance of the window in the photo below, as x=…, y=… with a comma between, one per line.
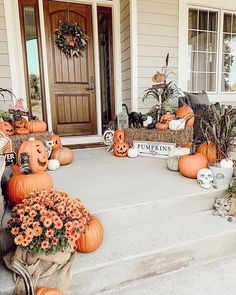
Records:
x=206, y=54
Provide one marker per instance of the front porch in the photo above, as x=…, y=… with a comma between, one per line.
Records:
x=155, y=222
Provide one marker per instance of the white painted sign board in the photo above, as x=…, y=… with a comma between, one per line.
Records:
x=154, y=149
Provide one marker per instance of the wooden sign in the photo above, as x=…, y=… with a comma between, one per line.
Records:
x=122, y=120
x=154, y=149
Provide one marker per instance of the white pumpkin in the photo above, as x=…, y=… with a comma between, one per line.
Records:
x=180, y=151
x=53, y=164
x=148, y=121
x=133, y=153
x=173, y=163
x=177, y=124
x=226, y=163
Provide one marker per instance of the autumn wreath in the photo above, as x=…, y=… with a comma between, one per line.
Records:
x=71, y=39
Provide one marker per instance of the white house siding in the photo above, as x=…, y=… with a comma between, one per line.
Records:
x=5, y=75
x=125, y=51
x=158, y=22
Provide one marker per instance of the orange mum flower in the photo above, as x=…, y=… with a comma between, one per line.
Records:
x=19, y=240
x=47, y=222
x=45, y=245
x=15, y=230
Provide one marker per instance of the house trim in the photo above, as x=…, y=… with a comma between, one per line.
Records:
x=17, y=68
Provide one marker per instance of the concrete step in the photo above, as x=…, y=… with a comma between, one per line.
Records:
x=216, y=277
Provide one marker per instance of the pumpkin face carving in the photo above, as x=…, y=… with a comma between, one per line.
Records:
x=121, y=149
x=37, y=154
x=6, y=128
x=119, y=136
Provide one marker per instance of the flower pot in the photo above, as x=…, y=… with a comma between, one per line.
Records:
x=222, y=176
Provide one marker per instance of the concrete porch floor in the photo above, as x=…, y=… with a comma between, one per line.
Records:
x=155, y=222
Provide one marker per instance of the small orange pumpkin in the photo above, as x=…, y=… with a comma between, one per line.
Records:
x=21, y=185
x=189, y=165
x=121, y=149
x=56, y=140
x=63, y=155
x=92, y=237
x=119, y=136
x=208, y=149
x=186, y=113
x=37, y=154
x=20, y=124
x=47, y=291
x=21, y=131
x=36, y=126
x=167, y=117
x=6, y=128
x=162, y=126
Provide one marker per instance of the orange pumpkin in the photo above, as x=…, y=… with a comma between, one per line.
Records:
x=6, y=128
x=162, y=126
x=36, y=126
x=21, y=185
x=208, y=149
x=186, y=113
x=121, y=149
x=119, y=136
x=167, y=117
x=56, y=140
x=20, y=124
x=47, y=291
x=21, y=131
x=92, y=237
x=63, y=155
x=189, y=165
x=37, y=154
x=187, y=145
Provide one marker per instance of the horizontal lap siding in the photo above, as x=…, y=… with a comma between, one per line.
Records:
x=5, y=74
x=125, y=51
x=157, y=35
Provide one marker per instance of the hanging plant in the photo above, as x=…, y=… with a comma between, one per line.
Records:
x=71, y=39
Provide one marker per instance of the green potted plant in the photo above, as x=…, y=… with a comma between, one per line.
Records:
x=218, y=128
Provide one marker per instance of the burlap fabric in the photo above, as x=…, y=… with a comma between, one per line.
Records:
x=46, y=270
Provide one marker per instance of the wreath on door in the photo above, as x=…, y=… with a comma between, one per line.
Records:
x=71, y=39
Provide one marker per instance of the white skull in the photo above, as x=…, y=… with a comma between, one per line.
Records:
x=205, y=178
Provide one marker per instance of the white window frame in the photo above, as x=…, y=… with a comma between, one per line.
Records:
x=215, y=5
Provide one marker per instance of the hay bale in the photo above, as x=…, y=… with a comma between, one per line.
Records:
x=180, y=137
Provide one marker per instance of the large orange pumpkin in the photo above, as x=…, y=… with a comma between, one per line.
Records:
x=121, y=149
x=119, y=136
x=6, y=128
x=21, y=185
x=189, y=165
x=36, y=126
x=63, y=155
x=37, y=154
x=208, y=149
x=47, y=291
x=92, y=237
x=186, y=113
x=21, y=131
x=56, y=140
x=162, y=126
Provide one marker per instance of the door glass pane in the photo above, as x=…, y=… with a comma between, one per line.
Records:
x=212, y=21
x=211, y=62
x=212, y=42
x=192, y=40
x=192, y=19
x=202, y=41
x=227, y=23
x=203, y=20
x=33, y=68
x=211, y=81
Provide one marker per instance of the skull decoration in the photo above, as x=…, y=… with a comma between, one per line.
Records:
x=205, y=178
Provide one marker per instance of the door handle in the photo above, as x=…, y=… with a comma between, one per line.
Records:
x=92, y=85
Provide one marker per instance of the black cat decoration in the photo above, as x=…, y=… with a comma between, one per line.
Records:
x=135, y=119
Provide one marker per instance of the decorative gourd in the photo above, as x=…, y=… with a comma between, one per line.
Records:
x=167, y=117
x=6, y=128
x=189, y=165
x=57, y=141
x=47, y=291
x=177, y=124
x=133, y=153
x=53, y=164
x=121, y=149
x=173, y=163
x=180, y=151
x=186, y=113
x=37, y=154
x=92, y=237
x=162, y=126
x=119, y=136
x=63, y=155
x=36, y=126
x=208, y=149
x=21, y=131
x=20, y=124
x=20, y=185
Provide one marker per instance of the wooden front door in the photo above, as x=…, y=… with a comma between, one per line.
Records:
x=72, y=84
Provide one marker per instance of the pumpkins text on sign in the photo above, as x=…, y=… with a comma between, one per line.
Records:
x=153, y=149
